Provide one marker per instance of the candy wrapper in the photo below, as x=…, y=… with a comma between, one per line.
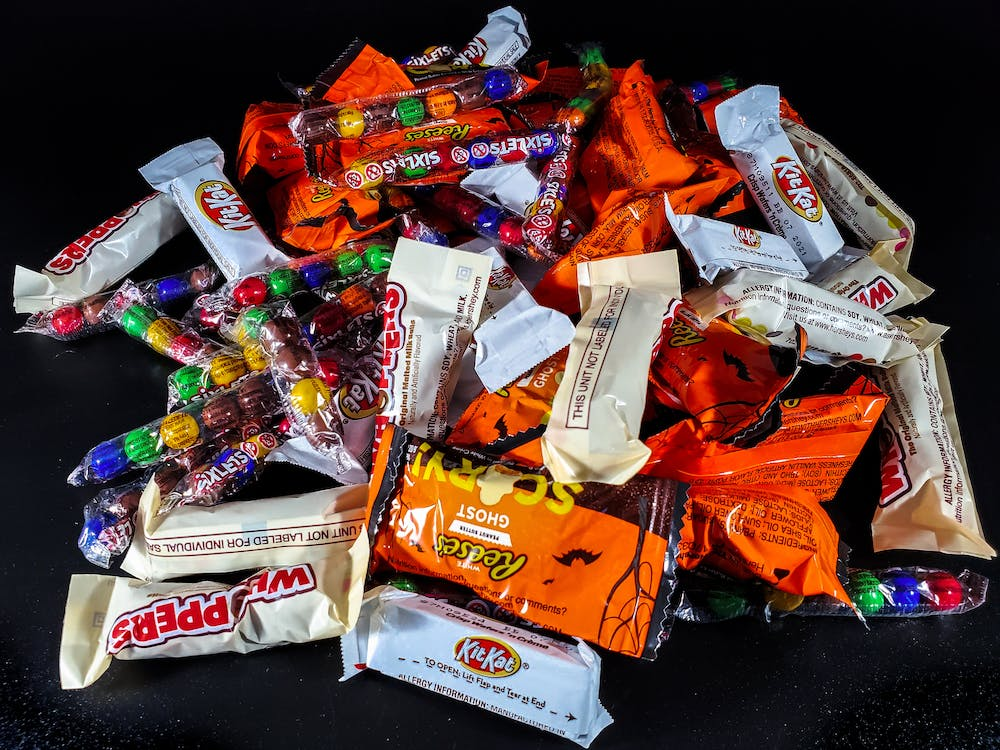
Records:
x=263, y=533
x=878, y=280
x=191, y=174
x=480, y=661
x=109, y=617
x=593, y=433
x=750, y=128
x=926, y=501
x=104, y=255
x=166, y=437
x=908, y=591
x=584, y=559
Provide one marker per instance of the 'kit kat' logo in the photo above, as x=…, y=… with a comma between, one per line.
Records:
x=221, y=205
x=796, y=189
x=487, y=656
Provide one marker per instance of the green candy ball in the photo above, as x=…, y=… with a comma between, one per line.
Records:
x=137, y=319
x=725, y=604
x=409, y=111
x=143, y=446
x=349, y=263
x=253, y=321
x=378, y=258
x=284, y=281
x=188, y=382
x=865, y=591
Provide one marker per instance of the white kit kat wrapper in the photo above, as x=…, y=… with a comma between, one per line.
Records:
x=433, y=301
x=104, y=255
x=549, y=684
x=839, y=330
x=926, y=502
x=196, y=540
x=593, y=431
x=192, y=175
x=718, y=246
x=502, y=41
x=750, y=128
x=118, y=617
x=851, y=195
x=878, y=281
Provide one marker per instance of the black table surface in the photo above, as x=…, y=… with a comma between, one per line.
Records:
x=93, y=91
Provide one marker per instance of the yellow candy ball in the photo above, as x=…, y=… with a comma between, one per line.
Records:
x=310, y=395
x=350, y=123
x=226, y=368
x=179, y=430
x=253, y=356
x=161, y=333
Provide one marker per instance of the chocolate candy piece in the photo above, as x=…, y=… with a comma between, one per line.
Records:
x=276, y=333
x=256, y=398
x=91, y=308
x=143, y=446
x=294, y=361
x=66, y=320
x=202, y=278
x=221, y=413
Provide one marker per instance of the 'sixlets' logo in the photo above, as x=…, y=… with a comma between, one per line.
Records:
x=487, y=656
x=221, y=205
x=796, y=189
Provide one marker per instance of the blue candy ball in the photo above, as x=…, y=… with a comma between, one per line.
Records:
x=903, y=592
x=170, y=289
x=498, y=83
x=314, y=275
x=480, y=156
x=488, y=220
x=108, y=460
x=547, y=148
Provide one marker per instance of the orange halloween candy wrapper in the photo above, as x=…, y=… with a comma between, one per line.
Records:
x=267, y=143
x=819, y=439
x=581, y=559
x=772, y=533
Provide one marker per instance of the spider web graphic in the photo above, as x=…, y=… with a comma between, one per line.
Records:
x=628, y=607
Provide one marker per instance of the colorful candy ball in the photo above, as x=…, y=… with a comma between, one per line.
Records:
x=498, y=84
x=902, y=591
x=314, y=275
x=225, y=369
x=378, y=258
x=136, y=319
x=143, y=446
x=188, y=382
x=171, y=289
x=66, y=320
x=108, y=460
x=250, y=291
x=284, y=281
x=409, y=111
x=161, y=333
x=309, y=395
x=440, y=103
x=943, y=590
x=350, y=123
x=865, y=591
x=179, y=430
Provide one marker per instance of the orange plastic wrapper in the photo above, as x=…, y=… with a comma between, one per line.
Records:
x=509, y=423
x=637, y=226
x=581, y=559
x=314, y=216
x=723, y=378
x=776, y=534
x=369, y=73
x=819, y=439
x=266, y=141
x=462, y=126
x=632, y=151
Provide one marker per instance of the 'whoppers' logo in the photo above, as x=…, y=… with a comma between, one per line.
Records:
x=796, y=189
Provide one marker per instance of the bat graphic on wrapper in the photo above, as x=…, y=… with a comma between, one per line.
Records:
x=742, y=372
x=568, y=558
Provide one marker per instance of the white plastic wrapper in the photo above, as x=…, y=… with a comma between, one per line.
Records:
x=927, y=502
x=513, y=186
x=878, y=281
x=718, y=246
x=549, y=684
x=433, y=301
x=839, y=330
x=101, y=257
x=593, y=432
x=851, y=196
x=192, y=175
x=750, y=128
x=123, y=618
x=192, y=540
x=502, y=41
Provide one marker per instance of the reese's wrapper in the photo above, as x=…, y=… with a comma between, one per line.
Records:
x=547, y=683
x=926, y=502
x=123, y=618
x=772, y=533
x=582, y=559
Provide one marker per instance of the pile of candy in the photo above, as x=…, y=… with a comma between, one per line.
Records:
x=582, y=352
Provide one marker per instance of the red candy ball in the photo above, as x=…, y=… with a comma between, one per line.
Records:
x=185, y=346
x=66, y=320
x=329, y=370
x=944, y=590
x=509, y=232
x=251, y=291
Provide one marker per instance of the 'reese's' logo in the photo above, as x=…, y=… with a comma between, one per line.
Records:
x=796, y=189
x=487, y=656
x=221, y=205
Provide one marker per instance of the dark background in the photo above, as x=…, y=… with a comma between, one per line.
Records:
x=94, y=91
